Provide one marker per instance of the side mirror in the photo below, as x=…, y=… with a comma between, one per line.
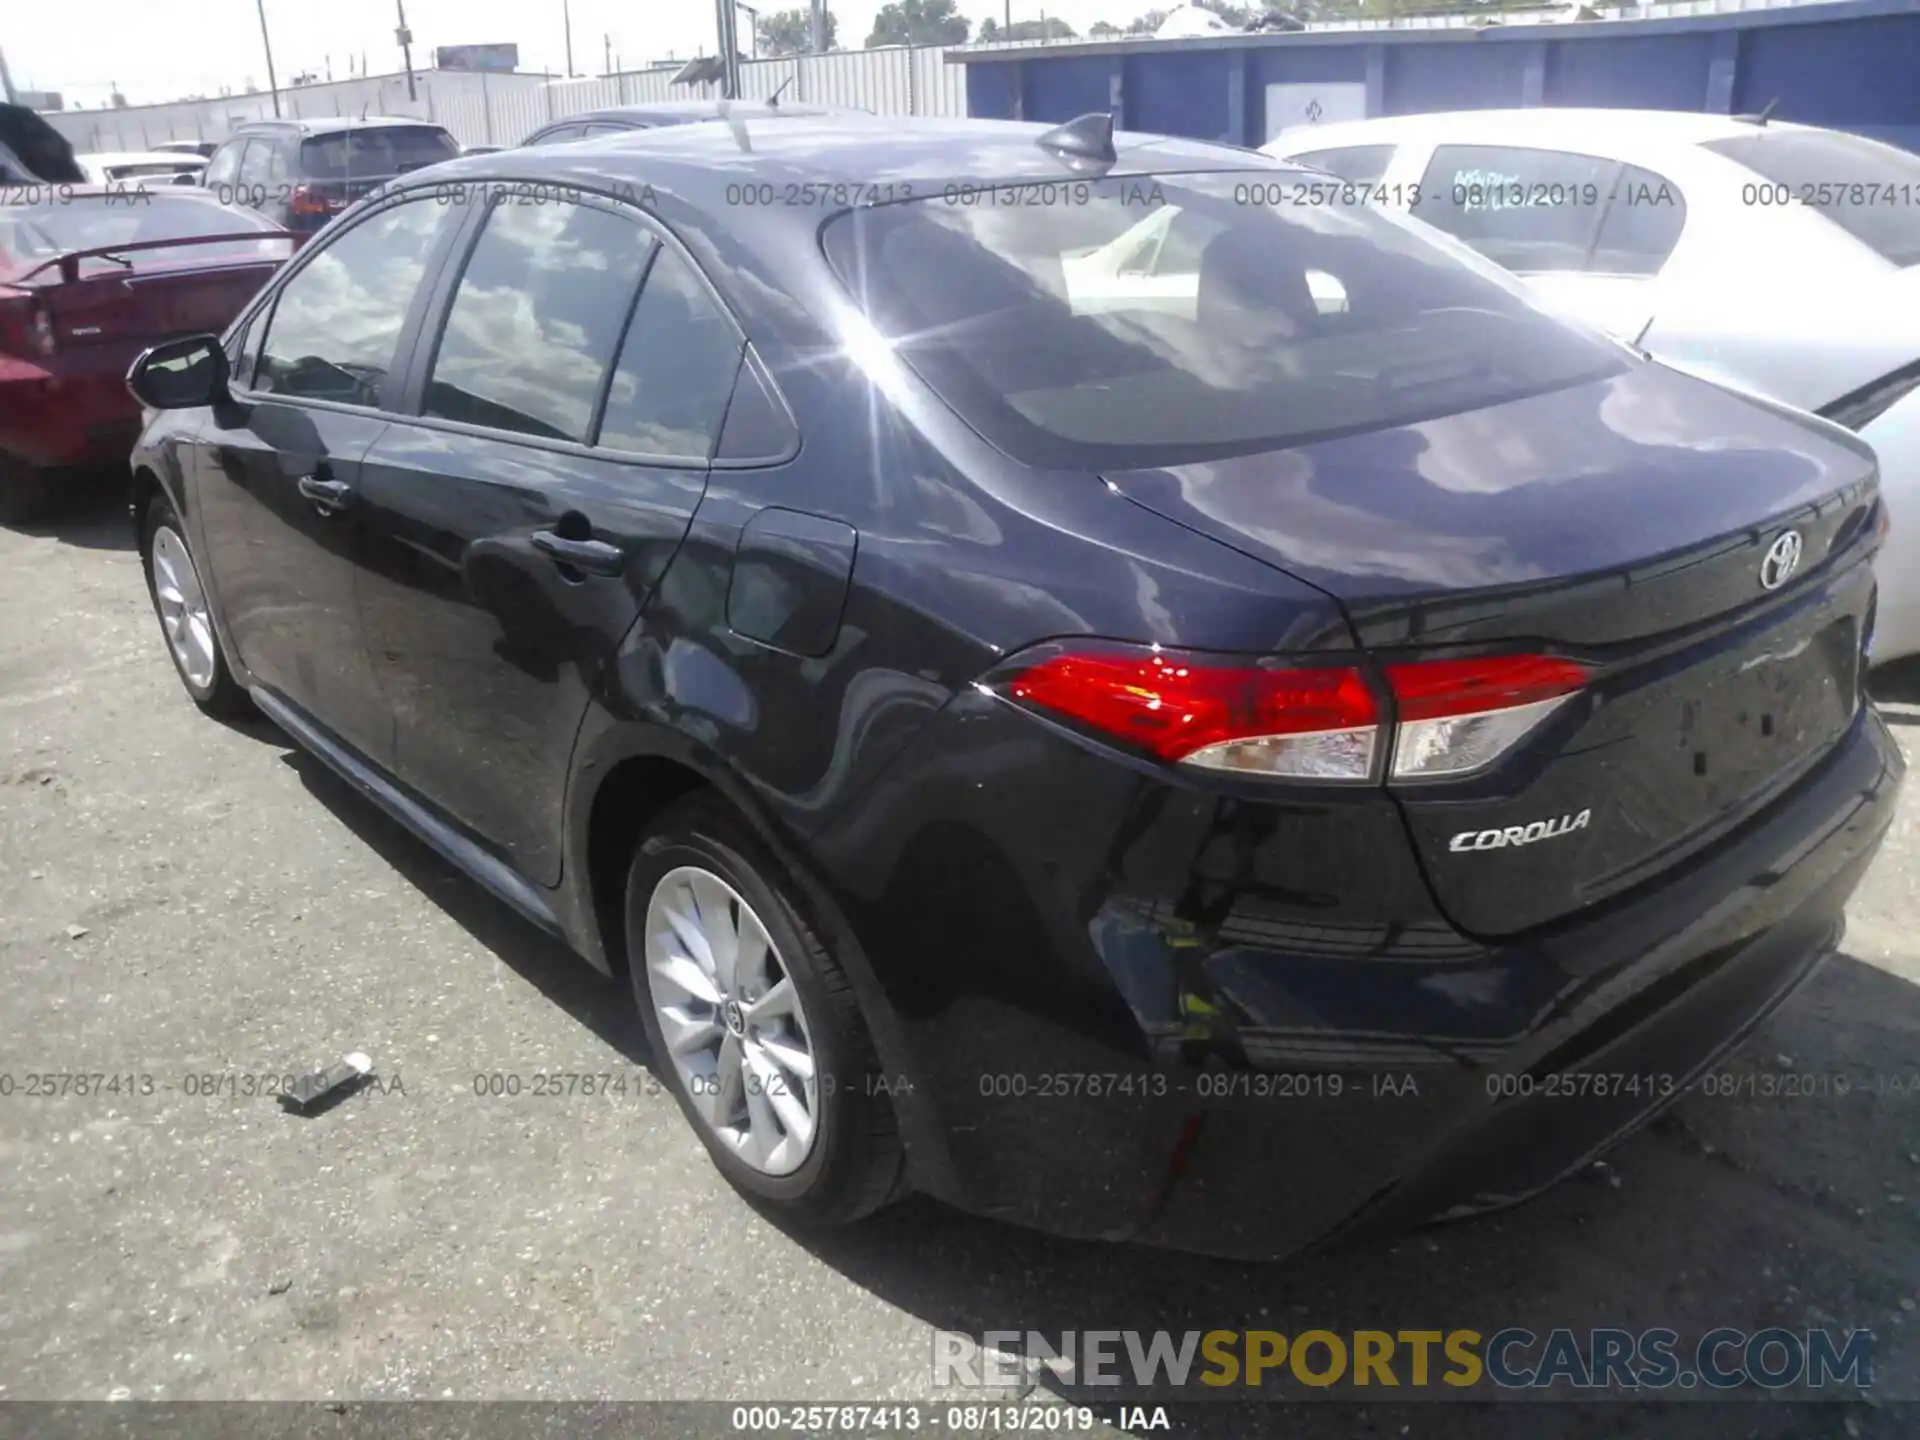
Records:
x=181, y=374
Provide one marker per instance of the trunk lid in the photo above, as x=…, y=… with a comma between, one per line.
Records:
x=1622, y=523
x=134, y=297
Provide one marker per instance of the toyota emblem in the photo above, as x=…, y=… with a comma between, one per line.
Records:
x=1783, y=558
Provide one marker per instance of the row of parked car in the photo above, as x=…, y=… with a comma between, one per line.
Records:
x=103, y=254
x=1054, y=662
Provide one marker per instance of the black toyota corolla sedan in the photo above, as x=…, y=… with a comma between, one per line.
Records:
x=1084, y=674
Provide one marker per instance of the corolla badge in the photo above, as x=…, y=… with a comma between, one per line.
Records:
x=1783, y=558
x=1519, y=834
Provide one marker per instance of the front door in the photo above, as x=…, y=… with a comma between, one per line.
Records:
x=512, y=531
x=278, y=471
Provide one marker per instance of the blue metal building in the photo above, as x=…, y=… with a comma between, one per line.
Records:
x=1849, y=64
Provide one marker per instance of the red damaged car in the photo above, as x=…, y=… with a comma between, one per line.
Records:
x=90, y=277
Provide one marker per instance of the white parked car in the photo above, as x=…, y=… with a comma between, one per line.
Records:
x=124, y=167
x=1776, y=258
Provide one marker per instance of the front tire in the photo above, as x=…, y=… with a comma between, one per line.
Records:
x=753, y=1023
x=186, y=616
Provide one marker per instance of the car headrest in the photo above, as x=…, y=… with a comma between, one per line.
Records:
x=1242, y=275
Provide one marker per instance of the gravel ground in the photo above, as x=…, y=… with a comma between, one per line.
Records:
x=179, y=898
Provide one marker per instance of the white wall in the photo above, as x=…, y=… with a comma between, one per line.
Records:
x=483, y=109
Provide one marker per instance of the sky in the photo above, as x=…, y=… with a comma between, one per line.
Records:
x=157, y=50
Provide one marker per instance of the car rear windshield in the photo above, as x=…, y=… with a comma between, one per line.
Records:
x=389, y=150
x=1124, y=323
x=1870, y=190
x=39, y=229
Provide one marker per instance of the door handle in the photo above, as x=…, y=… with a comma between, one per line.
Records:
x=596, y=557
x=330, y=496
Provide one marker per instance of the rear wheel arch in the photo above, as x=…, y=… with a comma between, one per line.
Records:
x=633, y=791
x=645, y=776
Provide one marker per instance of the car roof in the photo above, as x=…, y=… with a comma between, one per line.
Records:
x=698, y=161
x=1519, y=127
x=333, y=125
x=681, y=112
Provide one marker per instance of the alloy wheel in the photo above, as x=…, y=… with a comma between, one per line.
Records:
x=732, y=1020
x=183, y=608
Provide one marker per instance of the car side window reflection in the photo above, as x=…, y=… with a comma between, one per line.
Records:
x=534, y=323
x=337, y=323
x=1532, y=211
x=225, y=164
x=676, y=370
x=257, y=164
x=1362, y=164
x=1643, y=224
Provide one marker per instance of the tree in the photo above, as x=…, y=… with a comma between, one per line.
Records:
x=1100, y=29
x=1148, y=23
x=790, y=32
x=1051, y=28
x=919, y=22
x=988, y=33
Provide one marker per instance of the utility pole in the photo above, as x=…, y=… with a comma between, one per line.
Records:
x=566, y=17
x=267, y=45
x=606, y=66
x=728, y=26
x=819, y=37
x=405, y=37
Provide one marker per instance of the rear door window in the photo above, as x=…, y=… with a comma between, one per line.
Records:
x=337, y=322
x=1870, y=190
x=533, y=326
x=1532, y=211
x=1362, y=164
x=224, y=168
x=256, y=165
x=676, y=370
x=559, y=135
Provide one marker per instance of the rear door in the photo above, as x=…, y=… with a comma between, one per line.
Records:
x=278, y=472
x=515, y=525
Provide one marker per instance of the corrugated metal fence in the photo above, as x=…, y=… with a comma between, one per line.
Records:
x=483, y=109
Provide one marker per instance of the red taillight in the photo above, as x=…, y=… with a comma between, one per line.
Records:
x=26, y=327
x=305, y=200
x=1431, y=689
x=1316, y=722
x=1305, y=721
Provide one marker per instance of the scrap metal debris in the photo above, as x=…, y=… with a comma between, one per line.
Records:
x=305, y=1095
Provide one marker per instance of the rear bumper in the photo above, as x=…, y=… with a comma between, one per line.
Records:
x=1895, y=437
x=1170, y=1030
x=76, y=411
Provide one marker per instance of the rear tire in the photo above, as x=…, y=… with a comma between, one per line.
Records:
x=185, y=614
x=701, y=875
x=26, y=492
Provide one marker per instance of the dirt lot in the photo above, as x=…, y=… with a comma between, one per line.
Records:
x=180, y=899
